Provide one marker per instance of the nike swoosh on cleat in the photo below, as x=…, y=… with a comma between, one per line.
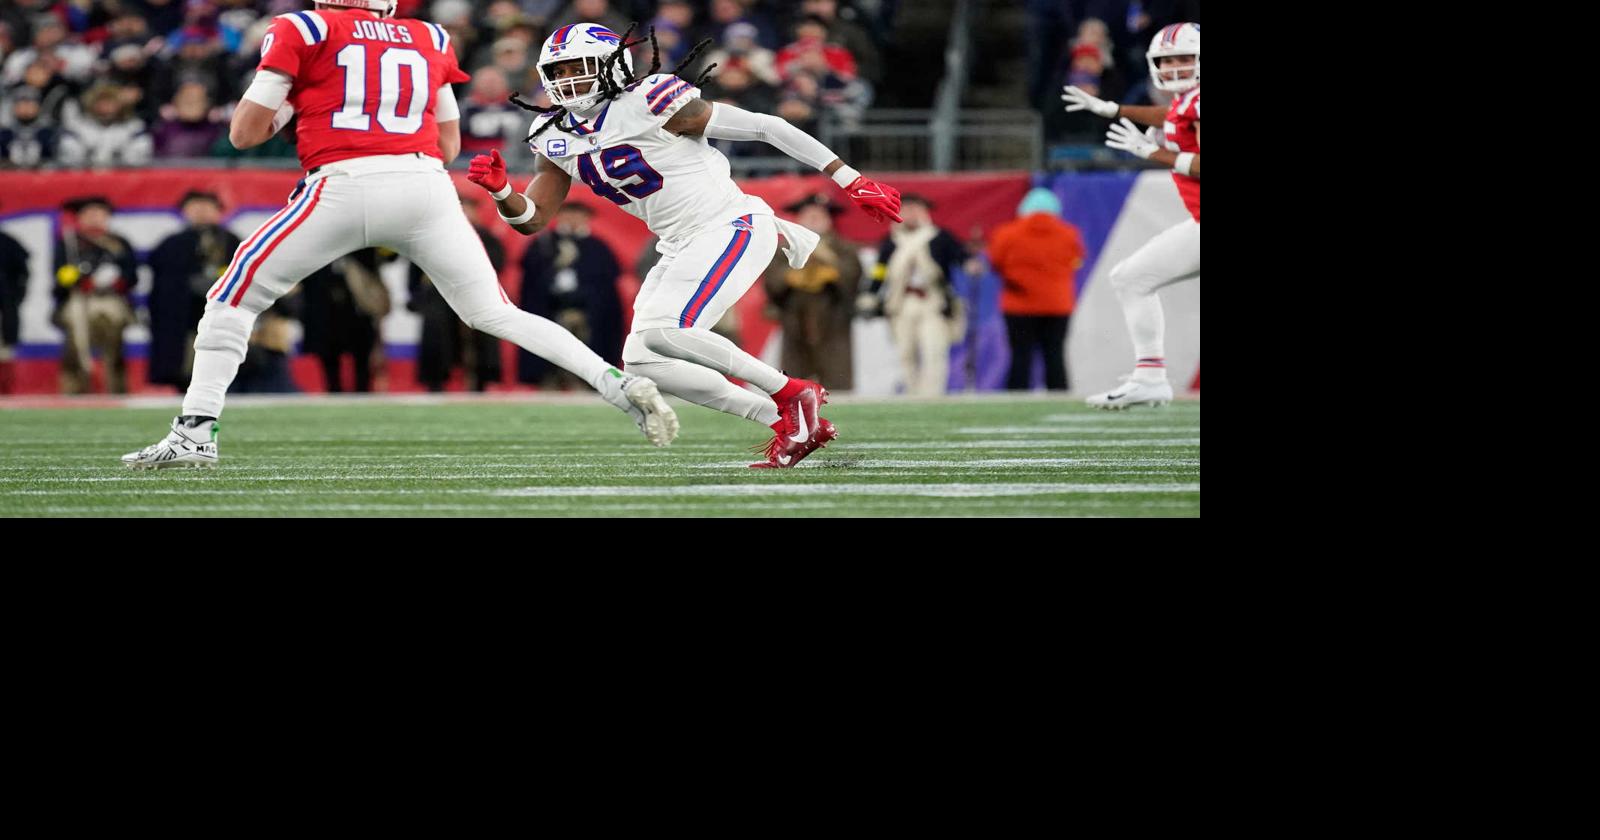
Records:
x=804, y=434
x=785, y=459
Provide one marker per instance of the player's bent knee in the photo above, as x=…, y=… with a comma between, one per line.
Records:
x=634, y=352
x=1120, y=274
x=1128, y=279
x=655, y=340
x=648, y=366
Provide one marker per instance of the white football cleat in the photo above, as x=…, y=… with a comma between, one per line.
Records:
x=184, y=446
x=655, y=418
x=1133, y=392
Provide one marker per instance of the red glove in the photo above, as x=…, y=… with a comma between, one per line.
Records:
x=880, y=201
x=488, y=171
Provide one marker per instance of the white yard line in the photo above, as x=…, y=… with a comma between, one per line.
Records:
x=953, y=489
x=953, y=507
x=1019, y=444
x=839, y=462
x=1056, y=430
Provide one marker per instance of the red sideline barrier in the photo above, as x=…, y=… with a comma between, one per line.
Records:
x=963, y=201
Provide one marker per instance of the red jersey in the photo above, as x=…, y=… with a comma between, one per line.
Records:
x=1183, y=135
x=363, y=84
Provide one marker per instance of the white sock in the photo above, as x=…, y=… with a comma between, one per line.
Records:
x=547, y=340
x=703, y=386
x=706, y=348
x=1146, y=323
x=199, y=432
x=1150, y=369
x=219, y=347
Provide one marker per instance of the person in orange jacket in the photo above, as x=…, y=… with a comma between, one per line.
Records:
x=1036, y=255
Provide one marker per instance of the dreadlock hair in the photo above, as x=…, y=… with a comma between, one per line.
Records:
x=610, y=88
x=559, y=112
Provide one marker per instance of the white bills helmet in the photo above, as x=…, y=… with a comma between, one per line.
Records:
x=590, y=42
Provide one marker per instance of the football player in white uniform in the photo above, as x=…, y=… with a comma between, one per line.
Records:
x=641, y=143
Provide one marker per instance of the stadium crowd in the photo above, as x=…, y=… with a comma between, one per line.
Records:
x=106, y=83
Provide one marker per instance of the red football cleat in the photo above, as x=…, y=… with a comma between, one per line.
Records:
x=784, y=451
x=798, y=403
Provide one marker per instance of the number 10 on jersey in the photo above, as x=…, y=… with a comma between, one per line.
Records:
x=353, y=116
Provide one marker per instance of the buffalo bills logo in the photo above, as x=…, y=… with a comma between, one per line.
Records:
x=603, y=35
x=741, y=224
x=555, y=148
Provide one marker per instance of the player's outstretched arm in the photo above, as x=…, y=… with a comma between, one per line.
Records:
x=527, y=214
x=262, y=111
x=1078, y=100
x=722, y=121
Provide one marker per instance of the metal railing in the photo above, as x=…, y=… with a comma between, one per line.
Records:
x=902, y=139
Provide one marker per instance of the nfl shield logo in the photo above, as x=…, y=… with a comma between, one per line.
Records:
x=555, y=148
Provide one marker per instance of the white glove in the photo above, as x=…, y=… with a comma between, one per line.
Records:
x=282, y=117
x=1077, y=100
x=1126, y=136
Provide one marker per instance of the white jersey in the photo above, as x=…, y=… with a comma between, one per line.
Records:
x=678, y=185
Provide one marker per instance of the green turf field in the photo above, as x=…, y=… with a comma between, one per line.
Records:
x=421, y=457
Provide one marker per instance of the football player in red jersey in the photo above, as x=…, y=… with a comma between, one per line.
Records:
x=377, y=123
x=1174, y=254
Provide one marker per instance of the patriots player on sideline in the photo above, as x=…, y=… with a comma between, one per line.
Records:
x=640, y=143
x=1174, y=254
x=377, y=123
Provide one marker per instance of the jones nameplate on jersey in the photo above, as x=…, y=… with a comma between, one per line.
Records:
x=378, y=30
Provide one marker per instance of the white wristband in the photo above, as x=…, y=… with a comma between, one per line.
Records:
x=1182, y=164
x=500, y=194
x=844, y=176
x=517, y=220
